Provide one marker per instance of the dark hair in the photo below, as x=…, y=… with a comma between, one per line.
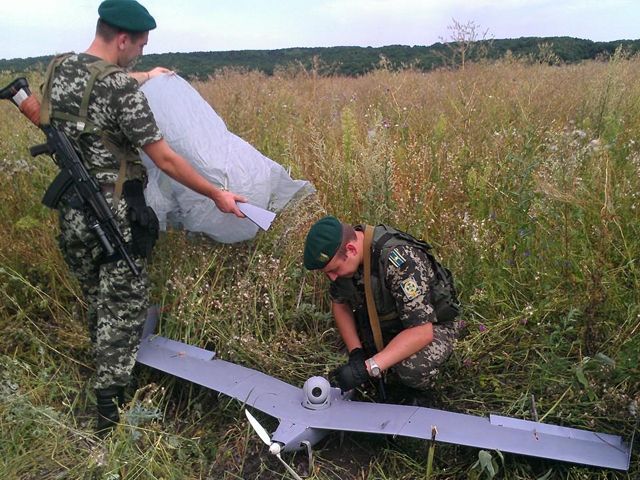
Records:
x=108, y=32
x=348, y=235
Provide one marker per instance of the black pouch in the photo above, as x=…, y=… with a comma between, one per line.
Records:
x=145, y=227
x=444, y=297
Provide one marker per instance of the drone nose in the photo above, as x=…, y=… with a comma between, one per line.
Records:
x=275, y=448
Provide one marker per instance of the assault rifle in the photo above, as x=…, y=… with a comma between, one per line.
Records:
x=73, y=174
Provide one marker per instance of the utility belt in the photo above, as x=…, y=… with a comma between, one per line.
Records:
x=128, y=171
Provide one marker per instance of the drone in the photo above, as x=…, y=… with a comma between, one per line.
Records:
x=306, y=415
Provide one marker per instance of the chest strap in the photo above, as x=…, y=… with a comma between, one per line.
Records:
x=374, y=321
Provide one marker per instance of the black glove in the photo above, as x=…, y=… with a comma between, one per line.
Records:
x=357, y=355
x=351, y=375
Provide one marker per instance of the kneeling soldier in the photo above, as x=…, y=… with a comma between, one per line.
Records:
x=394, y=305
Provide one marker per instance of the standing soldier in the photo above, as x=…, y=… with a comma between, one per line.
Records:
x=90, y=97
x=394, y=305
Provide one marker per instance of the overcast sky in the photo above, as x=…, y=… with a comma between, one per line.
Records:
x=31, y=28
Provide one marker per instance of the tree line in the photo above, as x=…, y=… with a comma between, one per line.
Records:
x=355, y=61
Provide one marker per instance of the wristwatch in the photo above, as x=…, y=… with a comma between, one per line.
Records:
x=374, y=369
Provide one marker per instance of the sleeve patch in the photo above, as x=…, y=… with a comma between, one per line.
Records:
x=410, y=288
x=396, y=259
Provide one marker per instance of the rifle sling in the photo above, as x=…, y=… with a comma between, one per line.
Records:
x=374, y=321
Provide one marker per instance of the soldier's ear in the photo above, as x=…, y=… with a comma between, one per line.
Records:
x=351, y=248
x=122, y=39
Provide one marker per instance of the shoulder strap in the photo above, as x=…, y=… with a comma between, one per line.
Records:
x=377, y=247
x=426, y=247
x=45, y=106
x=98, y=70
x=374, y=321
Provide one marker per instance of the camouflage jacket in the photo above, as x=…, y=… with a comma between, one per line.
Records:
x=401, y=286
x=116, y=106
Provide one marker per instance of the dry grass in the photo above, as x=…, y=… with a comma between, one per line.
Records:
x=525, y=177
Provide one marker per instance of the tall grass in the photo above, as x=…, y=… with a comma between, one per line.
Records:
x=524, y=177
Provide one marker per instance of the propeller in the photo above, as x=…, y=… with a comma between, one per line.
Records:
x=274, y=447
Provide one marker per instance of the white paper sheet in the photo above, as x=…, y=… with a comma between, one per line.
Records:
x=257, y=215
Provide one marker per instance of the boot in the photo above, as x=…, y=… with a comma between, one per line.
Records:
x=108, y=400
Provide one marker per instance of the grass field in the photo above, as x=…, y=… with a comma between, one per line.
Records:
x=525, y=178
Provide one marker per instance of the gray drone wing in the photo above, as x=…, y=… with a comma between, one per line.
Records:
x=496, y=432
x=285, y=402
x=197, y=365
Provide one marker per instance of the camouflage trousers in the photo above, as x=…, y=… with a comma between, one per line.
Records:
x=421, y=369
x=117, y=300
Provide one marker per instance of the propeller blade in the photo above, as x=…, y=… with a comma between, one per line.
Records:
x=289, y=469
x=262, y=433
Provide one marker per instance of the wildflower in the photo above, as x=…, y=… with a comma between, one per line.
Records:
x=482, y=328
x=595, y=144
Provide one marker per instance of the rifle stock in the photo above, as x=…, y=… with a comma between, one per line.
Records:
x=19, y=94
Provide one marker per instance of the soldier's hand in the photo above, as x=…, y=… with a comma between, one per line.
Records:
x=350, y=376
x=154, y=72
x=226, y=202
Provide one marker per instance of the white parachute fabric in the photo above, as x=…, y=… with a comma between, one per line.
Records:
x=194, y=130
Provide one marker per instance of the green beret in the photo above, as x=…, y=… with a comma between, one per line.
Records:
x=323, y=240
x=126, y=15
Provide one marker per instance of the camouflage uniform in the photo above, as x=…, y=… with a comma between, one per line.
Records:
x=401, y=291
x=117, y=299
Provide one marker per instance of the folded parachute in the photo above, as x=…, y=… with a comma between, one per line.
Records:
x=195, y=131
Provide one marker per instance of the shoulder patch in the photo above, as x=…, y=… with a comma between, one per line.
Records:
x=396, y=259
x=410, y=288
